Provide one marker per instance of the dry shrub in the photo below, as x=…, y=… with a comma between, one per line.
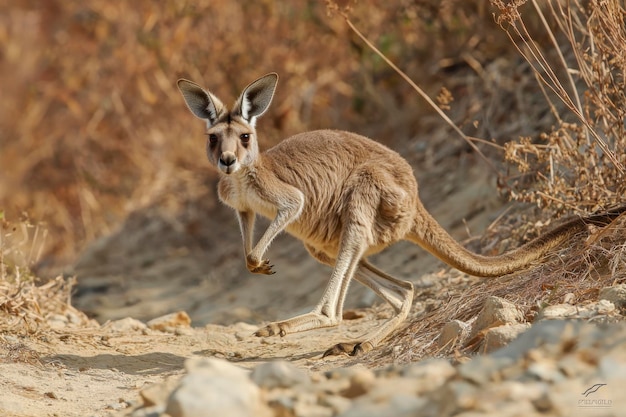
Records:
x=25, y=306
x=579, y=165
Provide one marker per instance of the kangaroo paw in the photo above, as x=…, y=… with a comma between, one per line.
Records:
x=271, y=329
x=349, y=349
x=263, y=267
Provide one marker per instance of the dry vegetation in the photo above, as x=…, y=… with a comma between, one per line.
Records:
x=580, y=165
x=27, y=305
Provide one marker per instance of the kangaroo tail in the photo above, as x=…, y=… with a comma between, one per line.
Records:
x=432, y=237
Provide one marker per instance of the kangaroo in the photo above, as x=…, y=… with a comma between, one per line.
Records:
x=345, y=197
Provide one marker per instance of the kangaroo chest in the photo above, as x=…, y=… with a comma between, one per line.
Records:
x=245, y=194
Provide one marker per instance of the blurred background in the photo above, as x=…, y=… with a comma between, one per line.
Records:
x=102, y=161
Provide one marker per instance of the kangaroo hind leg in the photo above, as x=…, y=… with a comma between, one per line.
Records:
x=396, y=292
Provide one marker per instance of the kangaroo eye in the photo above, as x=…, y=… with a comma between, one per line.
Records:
x=212, y=138
x=245, y=137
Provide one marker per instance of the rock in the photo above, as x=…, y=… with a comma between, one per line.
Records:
x=311, y=409
x=546, y=370
x=500, y=336
x=453, y=332
x=604, y=307
x=279, y=374
x=75, y=318
x=557, y=311
x=214, y=387
x=455, y=397
x=336, y=403
x=484, y=369
x=495, y=312
x=615, y=294
x=349, y=382
x=569, y=298
x=398, y=406
x=169, y=322
x=57, y=321
x=572, y=366
x=361, y=381
x=152, y=411
x=435, y=372
x=156, y=394
x=127, y=324
x=550, y=332
x=611, y=368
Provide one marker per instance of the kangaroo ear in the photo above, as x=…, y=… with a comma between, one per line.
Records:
x=202, y=104
x=256, y=97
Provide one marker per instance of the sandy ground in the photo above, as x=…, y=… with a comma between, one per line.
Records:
x=100, y=372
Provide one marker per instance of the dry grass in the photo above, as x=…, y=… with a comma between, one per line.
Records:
x=25, y=306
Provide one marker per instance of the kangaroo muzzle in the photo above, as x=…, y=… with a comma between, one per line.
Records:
x=228, y=163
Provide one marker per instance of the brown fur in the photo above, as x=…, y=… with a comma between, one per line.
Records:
x=345, y=197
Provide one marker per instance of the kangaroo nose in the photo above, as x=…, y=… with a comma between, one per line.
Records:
x=228, y=158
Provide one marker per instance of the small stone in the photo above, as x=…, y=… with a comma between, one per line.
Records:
x=361, y=381
x=612, y=369
x=57, y=321
x=604, y=307
x=546, y=370
x=569, y=298
x=120, y=405
x=456, y=397
x=243, y=330
x=435, y=371
x=484, y=369
x=548, y=333
x=500, y=336
x=279, y=374
x=615, y=294
x=495, y=312
x=312, y=410
x=336, y=403
x=169, y=322
x=152, y=411
x=215, y=387
x=397, y=406
x=183, y=331
x=215, y=366
x=156, y=394
x=127, y=324
x=452, y=333
x=521, y=391
x=74, y=318
x=572, y=366
x=557, y=311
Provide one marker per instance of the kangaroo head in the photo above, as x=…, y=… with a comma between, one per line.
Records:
x=231, y=136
